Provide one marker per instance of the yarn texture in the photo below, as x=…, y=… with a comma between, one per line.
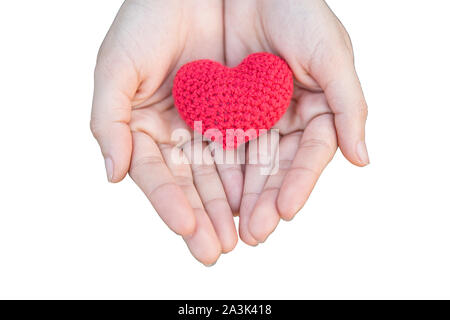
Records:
x=236, y=104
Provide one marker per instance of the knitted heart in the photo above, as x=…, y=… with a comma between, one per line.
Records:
x=236, y=104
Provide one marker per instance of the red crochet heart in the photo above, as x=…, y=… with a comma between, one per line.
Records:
x=247, y=99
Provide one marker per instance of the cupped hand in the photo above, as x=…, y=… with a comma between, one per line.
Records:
x=133, y=117
x=327, y=110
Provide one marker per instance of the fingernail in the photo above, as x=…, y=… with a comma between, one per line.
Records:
x=362, y=153
x=109, y=168
x=210, y=265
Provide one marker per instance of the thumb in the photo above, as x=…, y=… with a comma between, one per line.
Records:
x=337, y=76
x=111, y=112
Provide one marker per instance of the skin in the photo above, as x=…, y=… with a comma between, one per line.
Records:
x=327, y=110
x=133, y=114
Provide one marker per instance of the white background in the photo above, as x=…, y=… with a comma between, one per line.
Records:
x=376, y=232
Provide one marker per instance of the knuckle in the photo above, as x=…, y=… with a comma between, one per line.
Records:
x=363, y=110
x=95, y=128
x=183, y=181
x=111, y=64
x=300, y=171
x=284, y=165
x=204, y=170
x=343, y=39
x=316, y=144
x=145, y=162
x=220, y=200
x=231, y=169
x=104, y=68
x=347, y=41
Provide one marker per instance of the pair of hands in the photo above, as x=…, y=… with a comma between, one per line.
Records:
x=133, y=113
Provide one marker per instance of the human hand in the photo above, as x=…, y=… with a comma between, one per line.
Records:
x=133, y=116
x=327, y=110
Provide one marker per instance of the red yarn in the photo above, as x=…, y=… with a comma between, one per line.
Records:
x=253, y=95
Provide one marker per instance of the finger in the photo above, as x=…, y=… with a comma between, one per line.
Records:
x=265, y=216
x=203, y=242
x=247, y=204
x=212, y=194
x=114, y=85
x=151, y=174
x=317, y=148
x=259, y=164
x=229, y=165
x=337, y=76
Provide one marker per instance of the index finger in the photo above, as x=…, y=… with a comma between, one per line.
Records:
x=151, y=174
